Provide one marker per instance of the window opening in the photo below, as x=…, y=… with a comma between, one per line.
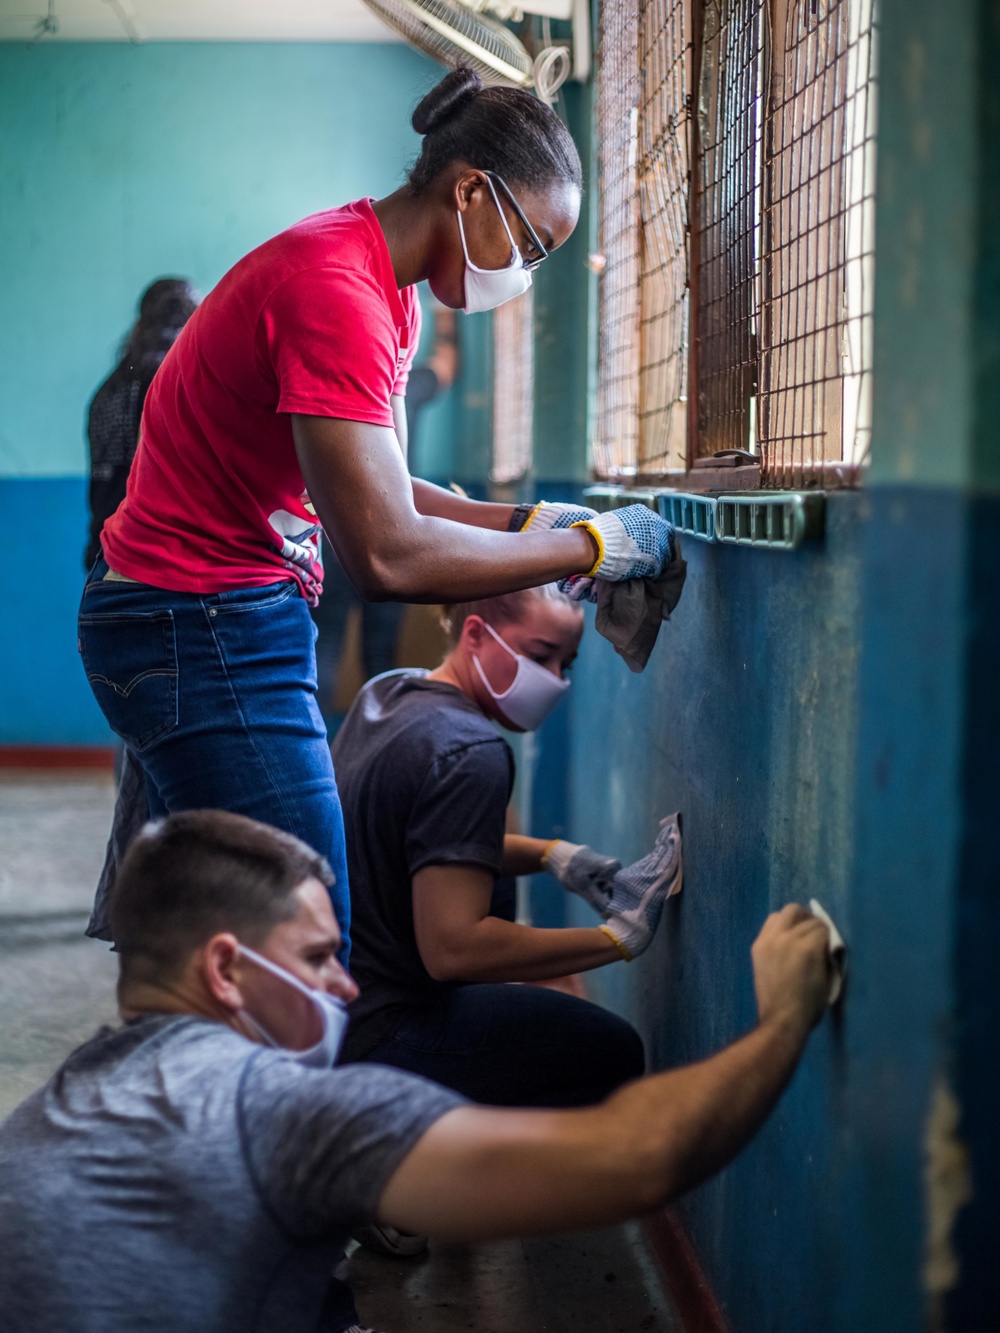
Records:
x=616, y=424
x=664, y=156
x=513, y=388
x=818, y=271
x=729, y=57
x=737, y=170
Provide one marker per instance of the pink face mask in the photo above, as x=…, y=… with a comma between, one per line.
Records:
x=532, y=694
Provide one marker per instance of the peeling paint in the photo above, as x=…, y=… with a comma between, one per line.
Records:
x=947, y=1188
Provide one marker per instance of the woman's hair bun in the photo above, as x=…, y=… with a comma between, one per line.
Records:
x=445, y=99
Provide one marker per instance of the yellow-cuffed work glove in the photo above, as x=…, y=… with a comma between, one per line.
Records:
x=632, y=543
x=640, y=890
x=544, y=516
x=583, y=871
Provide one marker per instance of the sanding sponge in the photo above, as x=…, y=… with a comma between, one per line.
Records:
x=836, y=952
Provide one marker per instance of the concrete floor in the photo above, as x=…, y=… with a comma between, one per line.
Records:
x=57, y=987
x=597, y=1281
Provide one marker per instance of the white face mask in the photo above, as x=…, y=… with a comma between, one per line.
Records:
x=486, y=288
x=331, y=1012
x=532, y=694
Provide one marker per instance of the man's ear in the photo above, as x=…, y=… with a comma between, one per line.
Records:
x=221, y=967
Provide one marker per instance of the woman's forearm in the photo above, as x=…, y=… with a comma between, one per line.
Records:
x=523, y=855
x=438, y=502
x=496, y=950
x=437, y=560
x=363, y=494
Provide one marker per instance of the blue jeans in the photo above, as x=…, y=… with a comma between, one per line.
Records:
x=507, y=1045
x=215, y=695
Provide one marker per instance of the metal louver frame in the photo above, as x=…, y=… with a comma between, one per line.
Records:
x=771, y=520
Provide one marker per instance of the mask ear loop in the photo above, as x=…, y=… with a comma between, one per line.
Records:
x=498, y=698
x=503, y=218
x=290, y=979
x=516, y=258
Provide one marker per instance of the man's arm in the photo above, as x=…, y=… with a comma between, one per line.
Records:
x=481, y=1173
x=459, y=941
x=357, y=479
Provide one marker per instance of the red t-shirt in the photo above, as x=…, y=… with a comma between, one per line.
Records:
x=311, y=321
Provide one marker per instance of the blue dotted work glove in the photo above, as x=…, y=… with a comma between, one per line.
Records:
x=633, y=543
x=640, y=890
x=583, y=871
x=545, y=516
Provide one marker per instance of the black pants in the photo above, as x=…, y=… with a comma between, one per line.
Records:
x=508, y=1045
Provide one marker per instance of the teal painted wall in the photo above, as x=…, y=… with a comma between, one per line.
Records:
x=120, y=164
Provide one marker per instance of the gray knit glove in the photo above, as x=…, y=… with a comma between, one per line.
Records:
x=583, y=871
x=640, y=890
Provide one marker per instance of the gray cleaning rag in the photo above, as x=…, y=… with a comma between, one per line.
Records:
x=629, y=614
x=131, y=812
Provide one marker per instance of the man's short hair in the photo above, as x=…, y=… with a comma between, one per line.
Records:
x=194, y=874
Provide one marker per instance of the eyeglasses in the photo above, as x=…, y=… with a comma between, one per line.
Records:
x=529, y=264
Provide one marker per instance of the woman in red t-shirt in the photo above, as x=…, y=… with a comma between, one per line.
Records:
x=280, y=409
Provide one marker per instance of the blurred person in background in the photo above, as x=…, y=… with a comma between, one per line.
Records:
x=115, y=410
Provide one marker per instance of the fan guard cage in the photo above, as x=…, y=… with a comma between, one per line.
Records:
x=453, y=35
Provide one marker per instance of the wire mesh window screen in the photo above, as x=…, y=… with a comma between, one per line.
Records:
x=513, y=388
x=766, y=244
x=818, y=270
x=664, y=154
x=616, y=424
x=729, y=52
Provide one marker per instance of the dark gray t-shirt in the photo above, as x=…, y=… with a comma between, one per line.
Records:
x=173, y=1177
x=424, y=779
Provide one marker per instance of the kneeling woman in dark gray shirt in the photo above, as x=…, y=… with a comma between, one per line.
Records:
x=425, y=779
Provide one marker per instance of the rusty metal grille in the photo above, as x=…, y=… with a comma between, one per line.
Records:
x=664, y=156
x=616, y=426
x=513, y=388
x=818, y=222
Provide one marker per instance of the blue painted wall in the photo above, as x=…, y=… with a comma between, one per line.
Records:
x=828, y=722
x=745, y=719
x=120, y=164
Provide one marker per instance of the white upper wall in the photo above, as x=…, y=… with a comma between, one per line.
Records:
x=196, y=21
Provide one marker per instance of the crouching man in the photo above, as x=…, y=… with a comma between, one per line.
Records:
x=199, y=1168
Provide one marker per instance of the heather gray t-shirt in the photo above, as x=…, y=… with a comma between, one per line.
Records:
x=173, y=1177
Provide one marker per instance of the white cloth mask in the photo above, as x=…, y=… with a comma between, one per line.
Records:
x=532, y=694
x=486, y=288
x=332, y=1014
